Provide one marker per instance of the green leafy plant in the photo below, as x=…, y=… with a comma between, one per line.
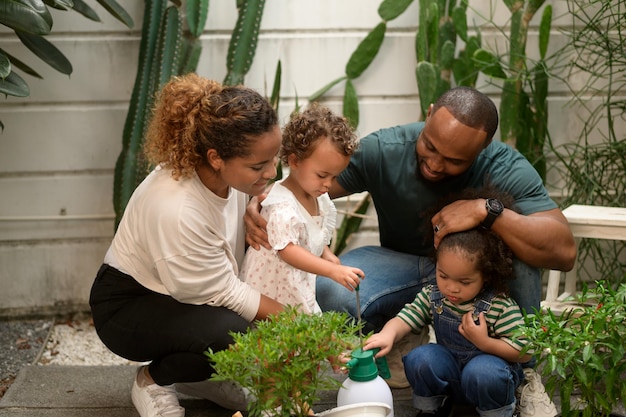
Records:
x=283, y=361
x=582, y=351
x=592, y=170
x=523, y=108
x=31, y=21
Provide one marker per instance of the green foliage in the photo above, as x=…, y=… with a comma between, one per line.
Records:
x=523, y=107
x=441, y=25
x=31, y=21
x=281, y=360
x=161, y=37
x=583, y=350
x=165, y=51
x=594, y=171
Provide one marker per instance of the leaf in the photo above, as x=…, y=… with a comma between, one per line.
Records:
x=275, y=97
x=118, y=12
x=351, y=104
x=49, y=53
x=197, y=12
x=21, y=66
x=426, y=75
x=5, y=65
x=488, y=63
x=14, y=85
x=319, y=93
x=30, y=16
x=544, y=31
x=587, y=352
x=83, y=8
x=390, y=9
x=459, y=19
x=365, y=53
x=60, y=4
x=447, y=54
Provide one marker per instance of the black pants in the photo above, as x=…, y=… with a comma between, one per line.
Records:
x=142, y=325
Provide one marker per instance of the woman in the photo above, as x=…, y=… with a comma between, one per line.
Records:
x=168, y=289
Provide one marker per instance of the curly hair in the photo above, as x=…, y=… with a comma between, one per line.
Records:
x=193, y=114
x=305, y=129
x=492, y=257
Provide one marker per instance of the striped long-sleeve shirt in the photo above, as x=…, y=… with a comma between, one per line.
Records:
x=503, y=318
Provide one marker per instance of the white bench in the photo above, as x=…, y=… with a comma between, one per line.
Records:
x=596, y=222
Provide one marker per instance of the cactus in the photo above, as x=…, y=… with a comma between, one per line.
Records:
x=243, y=40
x=435, y=45
x=166, y=51
x=441, y=24
x=159, y=59
x=523, y=108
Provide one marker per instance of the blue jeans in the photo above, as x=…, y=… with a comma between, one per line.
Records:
x=486, y=381
x=392, y=279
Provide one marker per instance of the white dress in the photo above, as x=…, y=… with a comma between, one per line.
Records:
x=289, y=222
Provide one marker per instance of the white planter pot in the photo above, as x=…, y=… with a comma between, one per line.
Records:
x=368, y=409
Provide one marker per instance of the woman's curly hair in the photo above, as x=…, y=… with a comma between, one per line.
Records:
x=193, y=114
x=305, y=129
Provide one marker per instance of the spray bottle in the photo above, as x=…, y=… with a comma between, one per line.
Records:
x=364, y=382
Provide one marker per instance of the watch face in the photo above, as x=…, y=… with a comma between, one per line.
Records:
x=495, y=205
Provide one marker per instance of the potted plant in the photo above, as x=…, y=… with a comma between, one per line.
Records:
x=285, y=361
x=583, y=351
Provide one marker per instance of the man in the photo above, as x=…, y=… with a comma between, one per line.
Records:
x=406, y=169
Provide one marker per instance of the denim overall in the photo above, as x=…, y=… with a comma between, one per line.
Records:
x=455, y=368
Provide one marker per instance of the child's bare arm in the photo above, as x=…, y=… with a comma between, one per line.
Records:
x=300, y=258
x=394, y=330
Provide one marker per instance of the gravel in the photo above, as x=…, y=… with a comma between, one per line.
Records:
x=71, y=341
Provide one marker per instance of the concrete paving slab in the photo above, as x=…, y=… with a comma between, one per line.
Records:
x=70, y=387
x=99, y=391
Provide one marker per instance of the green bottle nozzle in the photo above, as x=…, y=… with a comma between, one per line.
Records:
x=363, y=367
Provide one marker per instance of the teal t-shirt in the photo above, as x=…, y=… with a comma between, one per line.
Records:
x=385, y=165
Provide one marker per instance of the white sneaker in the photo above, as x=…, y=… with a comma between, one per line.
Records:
x=399, y=350
x=226, y=394
x=533, y=401
x=155, y=400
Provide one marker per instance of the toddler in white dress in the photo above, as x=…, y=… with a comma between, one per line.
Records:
x=316, y=146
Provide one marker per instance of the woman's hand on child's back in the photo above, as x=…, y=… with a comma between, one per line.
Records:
x=256, y=233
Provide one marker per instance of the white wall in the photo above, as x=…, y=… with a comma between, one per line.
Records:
x=59, y=146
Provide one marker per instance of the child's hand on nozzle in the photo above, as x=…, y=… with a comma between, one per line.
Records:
x=379, y=340
x=347, y=276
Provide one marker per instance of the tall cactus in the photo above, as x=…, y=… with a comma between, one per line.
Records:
x=244, y=40
x=441, y=24
x=166, y=51
x=160, y=58
x=523, y=108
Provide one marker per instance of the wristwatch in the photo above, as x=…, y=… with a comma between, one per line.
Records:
x=494, y=209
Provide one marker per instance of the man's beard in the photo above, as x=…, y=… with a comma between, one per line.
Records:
x=433, y=185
